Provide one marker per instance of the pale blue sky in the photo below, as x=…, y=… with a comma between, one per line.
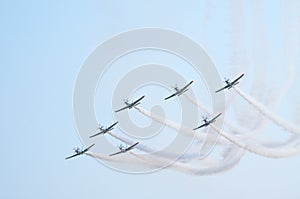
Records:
x=43, y=45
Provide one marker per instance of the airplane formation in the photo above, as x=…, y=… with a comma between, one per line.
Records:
x=128, y=105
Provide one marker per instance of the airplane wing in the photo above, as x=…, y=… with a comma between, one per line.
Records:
x=171, y=96
x=85, y=150
x=116, y=153
x=136, y=101
x=213, y=119
x=187, y=85
x=203, y=125
x=101, y=132
x=122, y=109
x=237, y=79
x=222, y=89
x=114, y=124
x=132, y=146
x=72, y=156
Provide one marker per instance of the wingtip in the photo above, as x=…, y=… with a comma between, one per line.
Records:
x=91, y=146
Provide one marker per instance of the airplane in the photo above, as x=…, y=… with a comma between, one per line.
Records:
x=207, y=122
x=131, y=105
x=124, y=149
x=230, y=84
x=179, y=91
x=79, y=152
x=105, y=130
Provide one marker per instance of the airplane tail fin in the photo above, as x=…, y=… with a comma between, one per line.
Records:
x=185, y=90
x=205, y=119
x=137, y=104
x=100, y=127
x=126, y=101
x=121, y=147
x=175, y=87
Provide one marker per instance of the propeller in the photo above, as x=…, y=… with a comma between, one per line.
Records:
x=100, y=127
x=77, y=149
x=226, y=80
x=125, y=100
x=121, y=147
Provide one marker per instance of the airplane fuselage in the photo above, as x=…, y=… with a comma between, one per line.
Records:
x=230, y=84
x=130, y=105
x=180, y=91
x=206, y=123
x=122, y=149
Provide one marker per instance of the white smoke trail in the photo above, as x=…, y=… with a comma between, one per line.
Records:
x=144, y=148
x=195, y=102
x=244, y=133
x=236, y=153
x=181, y=128
x=269, y=114
x=257, y=149
x=233, y=127
x=214, y=166
x=116, y=158
x=188, y=169
x=157, y=162
x=172, y=156
x=240, y=142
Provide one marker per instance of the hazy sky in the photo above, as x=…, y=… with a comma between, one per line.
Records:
x=43, y=45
